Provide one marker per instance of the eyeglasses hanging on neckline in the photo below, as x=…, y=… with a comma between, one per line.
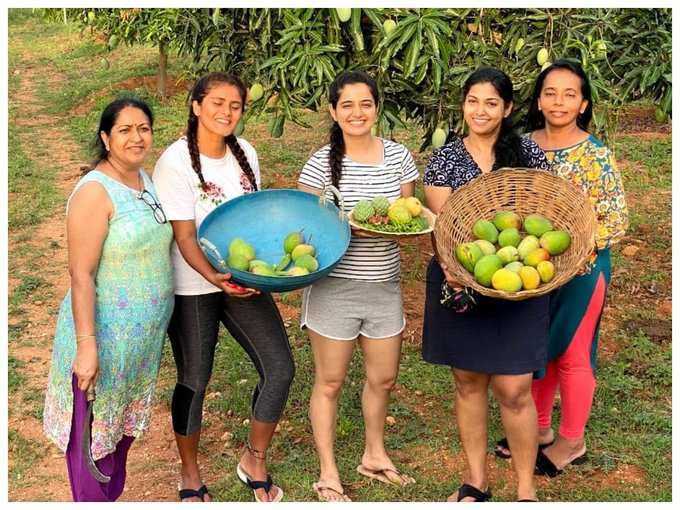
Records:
x=158, y=214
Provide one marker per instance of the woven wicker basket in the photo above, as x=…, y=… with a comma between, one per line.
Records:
x=524, y=191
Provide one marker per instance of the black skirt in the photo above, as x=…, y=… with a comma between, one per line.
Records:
x=498, y=337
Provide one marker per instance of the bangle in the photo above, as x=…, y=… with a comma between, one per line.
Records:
x=80, y=338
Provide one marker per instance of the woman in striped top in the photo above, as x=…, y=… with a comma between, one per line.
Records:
x=361, y=298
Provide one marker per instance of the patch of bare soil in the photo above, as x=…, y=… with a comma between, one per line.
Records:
x=147, y=83
x=640, y=120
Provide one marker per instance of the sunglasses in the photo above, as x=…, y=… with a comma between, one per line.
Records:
x=151, y=201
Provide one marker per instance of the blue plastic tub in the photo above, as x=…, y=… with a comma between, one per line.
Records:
x=264, y=219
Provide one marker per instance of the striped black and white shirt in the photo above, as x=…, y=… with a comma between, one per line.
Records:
x=367, y=259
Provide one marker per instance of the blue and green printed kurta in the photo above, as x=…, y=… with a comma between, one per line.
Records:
x=134, y=301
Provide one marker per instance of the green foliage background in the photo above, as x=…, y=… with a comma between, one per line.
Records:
x=420, y=65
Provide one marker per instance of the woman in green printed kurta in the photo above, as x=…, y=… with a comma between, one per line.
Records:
x=113, y=320
x=558, y=119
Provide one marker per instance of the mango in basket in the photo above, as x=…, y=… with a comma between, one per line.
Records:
x=486, y=267
x=484, y=229
x=509, y=237
x=530, y=277
x=515, y=267
x=507, y=219
x=527, y=245
x=555, y=241
x=488, y=248
x=537, y=225
x=546, y=270
x=506, y=280
x=536, y=256
x=508, y=254
x=468, y=254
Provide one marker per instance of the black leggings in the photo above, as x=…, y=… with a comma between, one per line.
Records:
x=256, y=325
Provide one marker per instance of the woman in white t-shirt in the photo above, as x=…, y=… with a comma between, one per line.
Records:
x=361, y=298
x=193, y=176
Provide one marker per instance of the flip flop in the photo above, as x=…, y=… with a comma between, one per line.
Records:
x=191, y=493
x=502, y=444
x=468, y=491
x=380, y=475
x=258, y=484
x=322, y=485
x=545, y=466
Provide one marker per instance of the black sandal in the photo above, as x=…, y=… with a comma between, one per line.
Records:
x=257, y=484
x=502, y=444
x=192, y=493
x=468, y=491
x=545, y=466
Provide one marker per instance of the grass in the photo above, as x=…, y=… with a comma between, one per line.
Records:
x=630, y=426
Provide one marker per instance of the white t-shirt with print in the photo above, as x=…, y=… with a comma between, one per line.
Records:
x=179, y=191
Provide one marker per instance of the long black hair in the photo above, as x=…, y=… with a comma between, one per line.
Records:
x=536, y=120
x=108, y=120
x=198, y=93
x=508, y=147
x=337, y=141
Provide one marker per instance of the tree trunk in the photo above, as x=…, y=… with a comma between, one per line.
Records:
x=162, y=70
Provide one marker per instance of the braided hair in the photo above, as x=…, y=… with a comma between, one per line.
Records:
x=508, y=147
x=198, y=93
x=337, y=140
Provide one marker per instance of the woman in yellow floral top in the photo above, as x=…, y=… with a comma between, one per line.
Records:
x=559, y=114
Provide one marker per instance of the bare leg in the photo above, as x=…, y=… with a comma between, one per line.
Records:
x=331, y=361
x=518, y=414
x=381, y=362
x=188, y=453
x=471, y=416
x=254, y=463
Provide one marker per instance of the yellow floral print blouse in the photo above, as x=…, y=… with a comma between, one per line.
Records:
x=591, y=166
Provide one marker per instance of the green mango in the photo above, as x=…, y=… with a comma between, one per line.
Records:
x=240, y=247
x=468, y=254
x=238, y=261
x=527, y=245
x=537, y=225
x=509, y=237
x=555, y=241
x=507, y=219
x=486, y=267
x=283, y=263
x=508, y=254
x=264, y=271
x=486, y=247
x=515, y=266
x=308, y=262
x=484, y=229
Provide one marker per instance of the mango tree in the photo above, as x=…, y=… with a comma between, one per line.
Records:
x=420, y=57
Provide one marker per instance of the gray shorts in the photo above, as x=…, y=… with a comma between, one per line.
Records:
x=343, y=309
